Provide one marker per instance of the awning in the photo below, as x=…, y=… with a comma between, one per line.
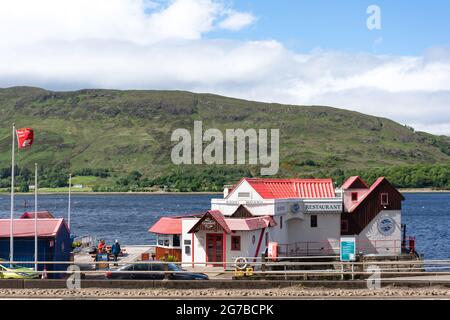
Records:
x=167, y=225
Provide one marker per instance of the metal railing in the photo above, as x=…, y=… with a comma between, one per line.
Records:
x=265, y=269
x=332, y=247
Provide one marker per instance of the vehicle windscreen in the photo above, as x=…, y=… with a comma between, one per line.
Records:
x=174, y=267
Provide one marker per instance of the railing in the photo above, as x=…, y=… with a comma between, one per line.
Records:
x=332, y=247
x=283, y=268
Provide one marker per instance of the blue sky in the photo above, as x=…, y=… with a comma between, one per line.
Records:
x=315, y=52
x=408, y=27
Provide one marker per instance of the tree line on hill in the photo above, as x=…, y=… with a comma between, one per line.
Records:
x=214, y=178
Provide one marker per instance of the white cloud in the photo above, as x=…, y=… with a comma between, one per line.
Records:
x=137, y=44
x=237, y=20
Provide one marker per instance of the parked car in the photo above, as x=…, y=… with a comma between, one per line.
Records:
x=135, y=271
x=17, y=272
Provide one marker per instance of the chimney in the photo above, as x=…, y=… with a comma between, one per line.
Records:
x=226, y=190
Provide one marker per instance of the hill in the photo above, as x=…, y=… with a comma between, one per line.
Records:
x=123, y=139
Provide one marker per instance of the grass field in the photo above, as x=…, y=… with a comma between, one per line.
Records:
x=131, y=130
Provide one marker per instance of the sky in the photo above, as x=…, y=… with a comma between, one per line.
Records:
x=382, y=57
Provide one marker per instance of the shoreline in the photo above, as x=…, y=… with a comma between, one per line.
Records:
x=406, y=190
x=91, y=193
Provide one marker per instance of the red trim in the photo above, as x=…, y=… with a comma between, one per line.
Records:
x=206, y=247
x=224, y=247
x=192, y=251
x=259, y=244
x=231, y=246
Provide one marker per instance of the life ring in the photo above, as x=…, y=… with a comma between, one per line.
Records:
x=240, y=263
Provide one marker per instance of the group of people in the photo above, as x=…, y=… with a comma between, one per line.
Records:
x=115, y=249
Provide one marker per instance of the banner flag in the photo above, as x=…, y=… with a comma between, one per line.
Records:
x=25, y=137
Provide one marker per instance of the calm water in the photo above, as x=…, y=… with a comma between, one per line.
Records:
x=128, y=217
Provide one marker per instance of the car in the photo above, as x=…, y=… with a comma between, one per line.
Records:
x=14, y=271
x=137, y=272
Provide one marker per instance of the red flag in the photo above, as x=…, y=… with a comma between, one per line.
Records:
x=24, y=137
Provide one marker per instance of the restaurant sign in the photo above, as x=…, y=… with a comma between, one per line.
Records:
x=323, y=207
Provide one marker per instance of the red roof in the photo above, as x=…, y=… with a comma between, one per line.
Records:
x=250, y=223
x=218, y=216
x=355, y=182
x=167, y=225
x=237, y=224
x=292, y=188
x=25, y=227
x=40, y=215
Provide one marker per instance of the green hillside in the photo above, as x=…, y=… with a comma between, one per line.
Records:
x=125, y=137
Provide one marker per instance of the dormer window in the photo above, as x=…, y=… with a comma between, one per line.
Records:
x=354, y=196
x=384, y=199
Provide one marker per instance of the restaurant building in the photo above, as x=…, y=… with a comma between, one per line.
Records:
x=299, y=217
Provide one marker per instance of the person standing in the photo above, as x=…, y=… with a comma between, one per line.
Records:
x=115, y=250
x=101, y=246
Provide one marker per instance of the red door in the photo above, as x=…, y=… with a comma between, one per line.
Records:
x=214, y=248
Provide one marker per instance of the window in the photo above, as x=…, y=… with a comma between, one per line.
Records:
x=141, y=267
x=243, y=194
x=176, y=240
x=187, y=250
x=384, y=199
x=281, y=222
x=163, y=240
x=354, y=196
x=313, y=221
x=235, y=243
x=344, y=225
x=267, y=239
x=157, y=267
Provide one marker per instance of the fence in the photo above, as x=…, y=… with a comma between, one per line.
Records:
x=283, y=268
x=332, y=247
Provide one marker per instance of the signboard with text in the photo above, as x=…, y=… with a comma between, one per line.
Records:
x=348, y=249
x=323, y=207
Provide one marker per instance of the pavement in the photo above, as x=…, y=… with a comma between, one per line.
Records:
x=440, y=278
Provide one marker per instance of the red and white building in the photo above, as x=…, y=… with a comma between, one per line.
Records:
x=302, y=216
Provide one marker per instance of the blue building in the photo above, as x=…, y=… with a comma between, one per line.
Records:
x=54, y=243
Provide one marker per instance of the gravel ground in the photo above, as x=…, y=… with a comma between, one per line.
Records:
x=287, y=293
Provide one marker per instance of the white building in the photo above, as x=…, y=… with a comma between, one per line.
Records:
x=302, y=216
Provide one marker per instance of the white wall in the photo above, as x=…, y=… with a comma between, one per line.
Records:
x=248, y=247
x=326, y=235
x=244, y=187
x=197, y=246
x=370, y=240
x=257, y=208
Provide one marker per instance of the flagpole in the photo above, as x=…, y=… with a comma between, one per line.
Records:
x=35, y=218
x=11, y=227
x=68, y=209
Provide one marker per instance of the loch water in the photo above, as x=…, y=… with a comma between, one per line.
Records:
x=128, y=217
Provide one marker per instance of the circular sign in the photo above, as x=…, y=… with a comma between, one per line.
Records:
x=295, y=208
x=386, y=226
